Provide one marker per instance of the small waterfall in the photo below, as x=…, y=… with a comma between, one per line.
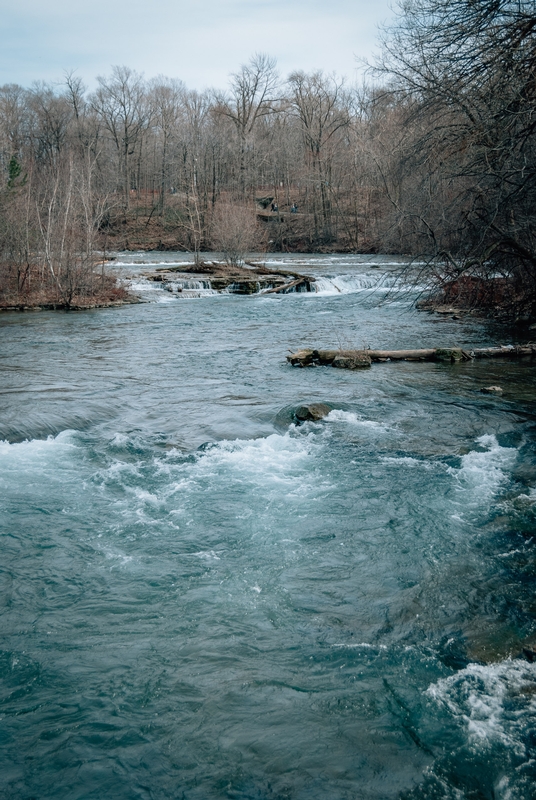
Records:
x=191, y=288
x=349, y=284
x=243, y=287
x=323, y=285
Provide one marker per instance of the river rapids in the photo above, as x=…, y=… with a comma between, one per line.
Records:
x=201, y=599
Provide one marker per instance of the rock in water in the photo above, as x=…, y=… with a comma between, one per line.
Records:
x=312, y=411
x=356, y=359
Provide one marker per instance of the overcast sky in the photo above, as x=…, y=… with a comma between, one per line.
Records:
x=199, y=41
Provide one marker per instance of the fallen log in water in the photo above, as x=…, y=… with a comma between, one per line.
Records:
x=285, y=286
x=512, y=351
x=410, y=355
x=358, y=359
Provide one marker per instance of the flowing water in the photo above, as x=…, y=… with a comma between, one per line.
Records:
x=202, y=600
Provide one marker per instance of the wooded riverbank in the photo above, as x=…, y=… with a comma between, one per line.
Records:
x=101, y=291
x=415, y=163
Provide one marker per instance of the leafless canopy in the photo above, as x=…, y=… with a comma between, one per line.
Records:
x=466, y=72
x=436, y=158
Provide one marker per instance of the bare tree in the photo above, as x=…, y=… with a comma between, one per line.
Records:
x=320, y=103
x=51, y=115
x=14, y=121
x=437, y=159
x=466, y=72
x=235, y=232
x=253, y=95
x=121, y=102
x=166, y=98
x=68, y=213
x=197, y=108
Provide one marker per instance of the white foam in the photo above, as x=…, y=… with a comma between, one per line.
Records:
x=361, y=646
x=112, y=555
x=357, y=281
x=493, y=702
x=35, y=464
x=528, y=497
x=407, y=461
x=348, y=284
x=151, y=291
x=117, y=472
x=275, y=459
x=187, y=288
x=318, y=262
x=186, y=294
x=338, y=415
x=207, y=555
x=188, y=283
x=158, y=292
x=140, y=260
x=278, y=466
x=145, y=497
x=143, y=285
x=62, y=439
x=119, y=440
x=483, y=473
x=166, y=297
x=35, y=454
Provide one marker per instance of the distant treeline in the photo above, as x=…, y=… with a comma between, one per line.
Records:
x=434, y=157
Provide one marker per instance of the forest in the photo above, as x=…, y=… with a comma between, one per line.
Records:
x=432, y=155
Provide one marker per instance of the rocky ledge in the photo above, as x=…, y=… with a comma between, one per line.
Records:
x=250, y=279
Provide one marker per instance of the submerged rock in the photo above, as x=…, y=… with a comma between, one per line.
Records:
x=312, y=411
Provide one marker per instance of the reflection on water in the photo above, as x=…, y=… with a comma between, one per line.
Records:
x=202, y=600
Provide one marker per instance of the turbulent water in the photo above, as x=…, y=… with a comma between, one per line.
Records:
x=202, y=600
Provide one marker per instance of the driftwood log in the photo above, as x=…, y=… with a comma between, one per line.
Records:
x=285, y=286
x=359, y=359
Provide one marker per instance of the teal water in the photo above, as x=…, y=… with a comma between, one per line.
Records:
x=201, y=600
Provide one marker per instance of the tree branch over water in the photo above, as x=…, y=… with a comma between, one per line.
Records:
x=465, y=71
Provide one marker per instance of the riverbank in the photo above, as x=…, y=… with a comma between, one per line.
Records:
x=34, y=305
x=144, y=229
x=187, y=280
x=108, y=295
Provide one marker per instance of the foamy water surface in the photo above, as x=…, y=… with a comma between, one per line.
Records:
x=203, y=599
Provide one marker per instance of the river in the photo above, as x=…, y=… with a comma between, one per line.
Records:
x=201, y=600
